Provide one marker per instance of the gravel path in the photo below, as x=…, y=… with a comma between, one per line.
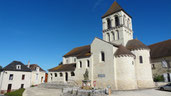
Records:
x=37, y=91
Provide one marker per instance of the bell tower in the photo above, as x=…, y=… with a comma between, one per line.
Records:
x=117, y=25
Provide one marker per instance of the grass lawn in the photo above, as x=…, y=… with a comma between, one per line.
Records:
x=16, y=93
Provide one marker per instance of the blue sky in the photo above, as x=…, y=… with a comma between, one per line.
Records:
x=42, y=31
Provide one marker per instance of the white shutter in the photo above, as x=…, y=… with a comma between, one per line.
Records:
x=165, y=77
x=164, y=63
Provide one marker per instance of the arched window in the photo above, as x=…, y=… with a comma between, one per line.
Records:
x=128, y=25
x=74, y=59
x=102, y=56
x=117, y=34
x=124, y=20
x=109, y=23
x=88, y=63
x=141, y=59
x=80, y=64
x=72, y=74
x=117, y=23
x=108, y=37
x=56, y=75
x=61, y=74
x=67, y=61
x=113, y=35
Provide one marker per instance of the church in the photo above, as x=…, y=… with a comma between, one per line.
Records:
x=117, y=60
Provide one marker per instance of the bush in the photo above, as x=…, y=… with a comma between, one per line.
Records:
x=158, y=78
x=32, y=85
x=16, y=93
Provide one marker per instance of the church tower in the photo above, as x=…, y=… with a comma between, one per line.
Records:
x=117, y=25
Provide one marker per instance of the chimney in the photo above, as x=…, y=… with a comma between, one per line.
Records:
x=28, y=64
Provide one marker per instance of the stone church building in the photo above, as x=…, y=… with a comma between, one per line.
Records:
x=117, y=60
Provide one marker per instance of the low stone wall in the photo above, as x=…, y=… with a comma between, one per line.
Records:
x=81, y=92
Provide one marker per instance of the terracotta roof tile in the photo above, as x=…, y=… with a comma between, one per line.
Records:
x=161, y=49
x=65, y=67
x=115, y=7
x=123, y=51
x=34, y=66
x=135, y=44
x=83, y=51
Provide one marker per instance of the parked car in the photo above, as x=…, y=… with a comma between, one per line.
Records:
x=166, y=87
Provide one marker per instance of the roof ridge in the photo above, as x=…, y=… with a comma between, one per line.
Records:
x=116, y=45
x=159, y=42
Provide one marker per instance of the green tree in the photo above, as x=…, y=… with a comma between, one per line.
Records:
x=0, y=67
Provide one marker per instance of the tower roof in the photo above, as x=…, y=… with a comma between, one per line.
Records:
x=115, y=7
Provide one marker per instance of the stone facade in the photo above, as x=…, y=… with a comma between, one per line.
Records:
x=16, y=81
x=118, y=61
x=159, y=70
x=38, y=77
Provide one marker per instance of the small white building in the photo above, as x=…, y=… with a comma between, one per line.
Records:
x=117, y=60
x=14, y=76
x=37, y=74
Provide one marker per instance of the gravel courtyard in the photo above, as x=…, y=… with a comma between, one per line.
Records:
x=56, y=90
x=36, y=91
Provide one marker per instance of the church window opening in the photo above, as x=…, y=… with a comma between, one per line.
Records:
x=117, y=34
x=117, y=23
x=124, y=20
x=113, y=35
x=72, y=74
x=153, y=66
x=56, y=75
x=74, y=59
x=141, y=59
x=88, y=63
x=102, y=56
x=109, y=24
x=61, y=74
x=128, y=25
x=80, y=64
x=108, y=37
x=67, y=61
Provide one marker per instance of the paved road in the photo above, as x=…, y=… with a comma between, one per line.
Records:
x=146, y=92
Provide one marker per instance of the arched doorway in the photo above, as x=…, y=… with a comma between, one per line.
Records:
x=66, y=76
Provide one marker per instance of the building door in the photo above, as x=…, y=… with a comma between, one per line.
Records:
x=9, y=88
x=22, y=85
x=168, y=77
x=66, y=76
x=42, y=80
